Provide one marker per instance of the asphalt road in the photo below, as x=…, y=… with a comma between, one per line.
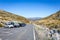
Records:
x=22, y=33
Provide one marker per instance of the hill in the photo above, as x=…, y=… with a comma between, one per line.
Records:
x=52, y=21
x=7, y=16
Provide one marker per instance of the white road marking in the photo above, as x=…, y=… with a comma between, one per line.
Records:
x=34, y=34
x=0, y=39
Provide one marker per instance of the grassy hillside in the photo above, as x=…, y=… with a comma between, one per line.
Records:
x=7, y=16
x=52, y=21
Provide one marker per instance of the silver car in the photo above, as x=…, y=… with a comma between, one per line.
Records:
x=8, y=26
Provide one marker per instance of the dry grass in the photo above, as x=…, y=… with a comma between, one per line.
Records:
x=52, y=21
x=7, y=16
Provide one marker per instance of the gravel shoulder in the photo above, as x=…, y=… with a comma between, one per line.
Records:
x=40, y=33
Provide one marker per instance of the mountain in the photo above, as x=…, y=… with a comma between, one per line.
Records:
x=7, y=16
x=54, y=16
x=34, y=18
x=52, y=21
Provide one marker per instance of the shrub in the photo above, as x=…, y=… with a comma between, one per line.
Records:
x=1, y=25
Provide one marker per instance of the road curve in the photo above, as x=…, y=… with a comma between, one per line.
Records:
x=22, y=33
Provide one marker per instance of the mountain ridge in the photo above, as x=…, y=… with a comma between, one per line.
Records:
x=34, y=18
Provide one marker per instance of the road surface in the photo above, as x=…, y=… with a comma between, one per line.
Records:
x=22, y=33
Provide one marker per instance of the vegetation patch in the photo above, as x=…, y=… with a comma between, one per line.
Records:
x=7, y=16
x=1, y=25
x=52, y=21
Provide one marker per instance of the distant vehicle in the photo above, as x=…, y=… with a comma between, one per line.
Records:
x=8, y=26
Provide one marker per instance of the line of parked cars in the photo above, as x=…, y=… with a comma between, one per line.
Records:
x=14, y=24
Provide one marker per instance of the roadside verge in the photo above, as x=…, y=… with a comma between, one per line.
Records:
x=41, y=31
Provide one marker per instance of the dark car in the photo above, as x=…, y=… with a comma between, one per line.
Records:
x=58, y=31
x=16, y=25
x=22, y=24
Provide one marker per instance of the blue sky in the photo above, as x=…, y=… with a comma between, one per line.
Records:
x=31, y=8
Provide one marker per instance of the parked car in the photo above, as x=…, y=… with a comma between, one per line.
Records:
x=16, y=25
x=8, y=26
x=22, y=24
x=58, y=31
